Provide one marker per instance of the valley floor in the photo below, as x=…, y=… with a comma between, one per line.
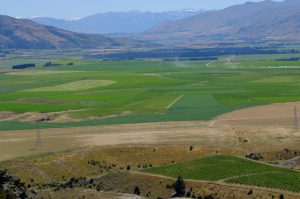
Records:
x=104, y=152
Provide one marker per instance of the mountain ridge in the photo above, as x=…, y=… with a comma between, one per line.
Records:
x=250, y=21
x=26, y=34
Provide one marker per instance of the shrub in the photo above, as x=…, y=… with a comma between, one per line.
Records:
x=188, y=194
x=98, y=187
x=281, y=196
x=136, y=190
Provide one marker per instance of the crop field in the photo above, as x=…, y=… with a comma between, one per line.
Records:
x=233, y=170
x=119, y=92
x=77, y=85
x=278, y=180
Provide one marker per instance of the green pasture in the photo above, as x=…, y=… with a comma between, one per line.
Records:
x=143, y=91
x=232, y=170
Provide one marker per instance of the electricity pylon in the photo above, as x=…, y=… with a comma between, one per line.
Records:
x=38, y=140
x=295, y=122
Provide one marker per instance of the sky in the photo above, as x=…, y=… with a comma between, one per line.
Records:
x=69, y=9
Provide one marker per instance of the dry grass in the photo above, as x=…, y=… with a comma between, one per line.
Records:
x=21, y=143
x=51, y=168
x=276, y=115
x=16, y=144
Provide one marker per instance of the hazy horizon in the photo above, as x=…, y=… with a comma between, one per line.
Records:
x=78, y=9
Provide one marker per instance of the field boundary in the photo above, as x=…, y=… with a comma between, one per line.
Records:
x=210, y=63
x=174, y=102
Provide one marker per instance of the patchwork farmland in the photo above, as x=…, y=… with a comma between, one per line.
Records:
x=139, y=91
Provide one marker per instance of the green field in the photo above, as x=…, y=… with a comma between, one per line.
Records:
x=145, y=91
x=279, y=180
x=233, y=170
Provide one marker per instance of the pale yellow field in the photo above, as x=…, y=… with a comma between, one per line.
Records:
x=15, y=144
x=77, y=85
x=275, y=115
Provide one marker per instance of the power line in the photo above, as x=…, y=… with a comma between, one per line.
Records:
x=295, y=122
x=38, y=140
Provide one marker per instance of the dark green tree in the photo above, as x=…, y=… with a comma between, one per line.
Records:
x=179, y=186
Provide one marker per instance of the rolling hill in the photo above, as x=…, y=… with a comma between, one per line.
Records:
x=266, y=20
x=26, y=34
x=116, y=22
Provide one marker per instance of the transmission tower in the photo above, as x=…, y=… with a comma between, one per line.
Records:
x=38, y=140
x=295, y=122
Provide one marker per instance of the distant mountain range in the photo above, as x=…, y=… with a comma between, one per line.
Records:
x=261, y=21
x=266, y=20
x=117, y=22
x=26, y=34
